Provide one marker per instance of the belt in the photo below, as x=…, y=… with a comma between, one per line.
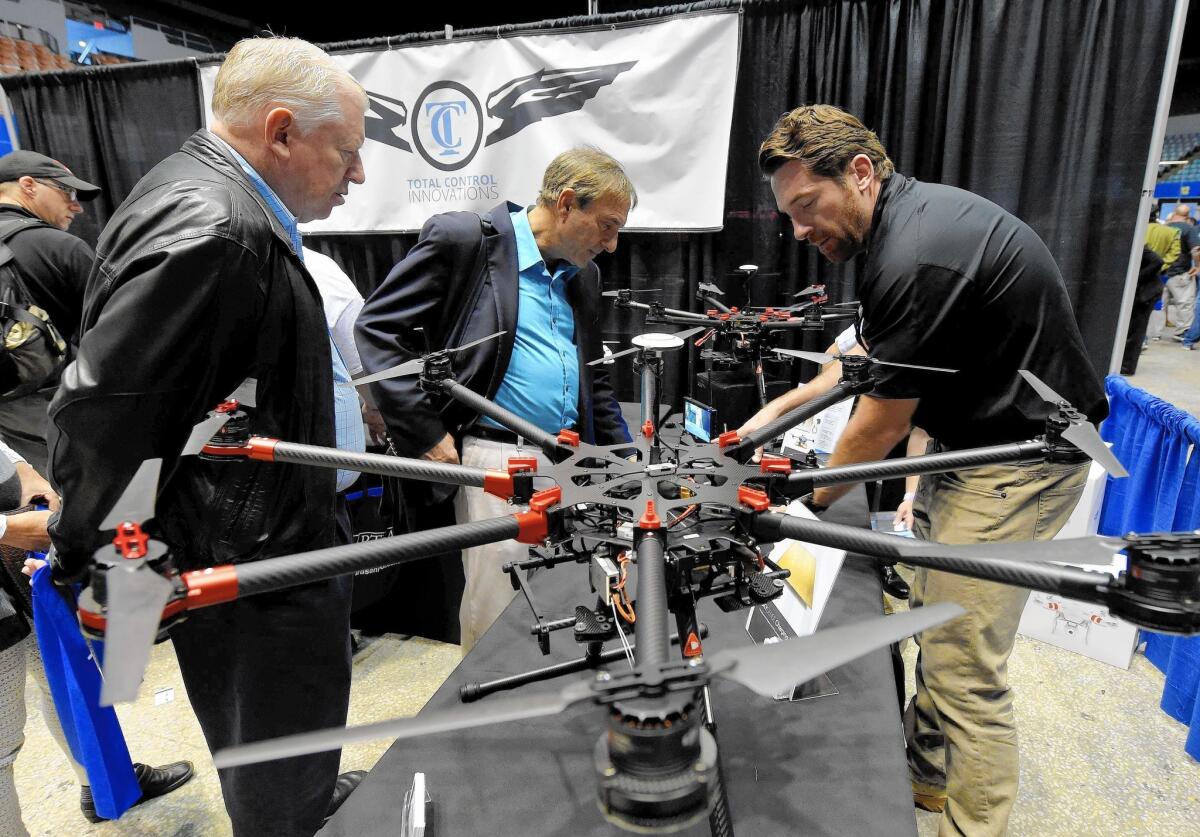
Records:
x=492, y=434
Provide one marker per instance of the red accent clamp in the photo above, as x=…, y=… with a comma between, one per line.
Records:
x=764, y=318
x=131, y=541
x=543, y=500
x=258, y=447
x=211, y=586
x=783, y=315
x=769, y=310
x=711, y=312
x=568, y=437
x=723, y=317
x=648, y=429
x=498, y=484
x=229, y=406
x=776, y=464
x=649, y=518
x=519, y=464
x=693, y=648
x=752, y=497
x=729, y=438
x=534, y=525
x=733, y=309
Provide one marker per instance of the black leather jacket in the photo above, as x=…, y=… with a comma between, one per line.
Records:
x=195, y=288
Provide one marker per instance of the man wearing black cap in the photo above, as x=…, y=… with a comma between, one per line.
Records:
x=39, y=198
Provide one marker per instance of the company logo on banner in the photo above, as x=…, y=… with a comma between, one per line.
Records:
x=463, y=125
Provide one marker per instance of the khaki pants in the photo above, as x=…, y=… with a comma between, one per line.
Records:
x=1180, y=301
x=959, y=727
x=488, y=589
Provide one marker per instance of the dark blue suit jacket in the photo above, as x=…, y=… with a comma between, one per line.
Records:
x=460, y=289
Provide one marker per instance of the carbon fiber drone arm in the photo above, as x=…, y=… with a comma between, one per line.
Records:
x=525, y=429
x=744, y=448
x=650, y=630
x=933, y=463
x=1051, y=578
x=499, y=483
x=224, y=583
x=682, y=317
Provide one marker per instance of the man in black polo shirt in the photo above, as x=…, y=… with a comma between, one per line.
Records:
x=947, y=279
x=39, y=198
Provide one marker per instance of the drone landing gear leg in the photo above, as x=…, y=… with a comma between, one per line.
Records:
x=760, y=381
x=594, y=657
x=719, y=822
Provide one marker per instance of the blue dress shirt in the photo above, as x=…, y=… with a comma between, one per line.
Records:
x=541, y=383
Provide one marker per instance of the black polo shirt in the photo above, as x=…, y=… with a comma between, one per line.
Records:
x=950, y=279
x=54, y=265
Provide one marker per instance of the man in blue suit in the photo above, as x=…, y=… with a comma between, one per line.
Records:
x=526, y=271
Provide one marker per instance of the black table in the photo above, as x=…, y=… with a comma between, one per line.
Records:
x=832, y=765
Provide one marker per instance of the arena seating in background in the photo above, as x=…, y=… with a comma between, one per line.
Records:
x=20, y=56
x=1180, y=147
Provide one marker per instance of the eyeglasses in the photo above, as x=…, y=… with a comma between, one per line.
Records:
x=70, y=193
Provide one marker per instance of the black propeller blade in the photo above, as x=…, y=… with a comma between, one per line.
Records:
x=1082, y=433
x=771, y=669
x=448, y=720
x=614, y=294
x=823, y=358
x=412, y=367
x=766, y=669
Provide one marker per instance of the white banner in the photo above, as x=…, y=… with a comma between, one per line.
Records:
x=463, y=125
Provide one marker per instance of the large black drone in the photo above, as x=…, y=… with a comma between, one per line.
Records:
x=690, y=519
x=730, y=336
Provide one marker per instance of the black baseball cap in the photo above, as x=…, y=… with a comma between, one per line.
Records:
x=17, y=164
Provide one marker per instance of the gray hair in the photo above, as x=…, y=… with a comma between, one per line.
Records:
x=261, y=73
x=591, y=173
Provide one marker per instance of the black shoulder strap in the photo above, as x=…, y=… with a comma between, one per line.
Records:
x=11, y=226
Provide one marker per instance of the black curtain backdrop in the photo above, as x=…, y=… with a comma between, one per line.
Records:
x=109, y=126
x=1043, y=106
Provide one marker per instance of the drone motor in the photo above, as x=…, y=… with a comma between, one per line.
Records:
x=656, y=764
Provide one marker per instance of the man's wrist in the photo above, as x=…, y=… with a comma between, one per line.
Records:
x=813, y=505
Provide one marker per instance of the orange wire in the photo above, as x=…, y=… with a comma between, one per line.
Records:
x=621, y=602
x=686, y=512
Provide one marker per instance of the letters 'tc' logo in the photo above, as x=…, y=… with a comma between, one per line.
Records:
x=441, y=124
x=449, y=120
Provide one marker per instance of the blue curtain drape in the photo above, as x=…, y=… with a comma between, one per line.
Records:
x=1160, y=445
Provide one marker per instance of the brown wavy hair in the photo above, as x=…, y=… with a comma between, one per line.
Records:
x=825, y=139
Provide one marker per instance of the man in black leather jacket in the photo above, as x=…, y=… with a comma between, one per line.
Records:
x=198, y=285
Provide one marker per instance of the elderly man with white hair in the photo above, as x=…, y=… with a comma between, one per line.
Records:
x=199, y=284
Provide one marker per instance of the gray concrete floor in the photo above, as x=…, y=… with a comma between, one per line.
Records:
x=1098, y=757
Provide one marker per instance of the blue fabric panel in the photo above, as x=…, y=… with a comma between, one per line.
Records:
x=1160, y=445
x=93, y=732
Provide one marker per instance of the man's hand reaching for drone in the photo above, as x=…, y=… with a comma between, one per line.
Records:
x=762, y=418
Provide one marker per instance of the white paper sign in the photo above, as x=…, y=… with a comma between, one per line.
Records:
x=814, y=570
x=465, y=124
